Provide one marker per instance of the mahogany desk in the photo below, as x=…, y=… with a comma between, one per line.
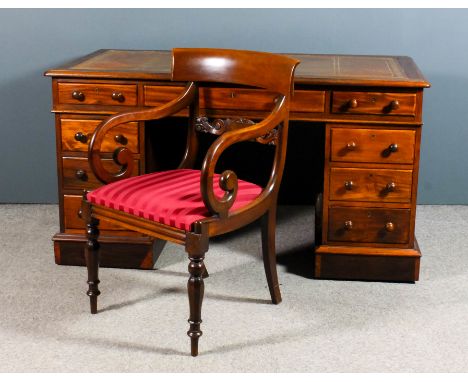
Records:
x=369, y=106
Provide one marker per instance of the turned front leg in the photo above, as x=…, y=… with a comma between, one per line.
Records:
x=195, y=287
x=92, y=262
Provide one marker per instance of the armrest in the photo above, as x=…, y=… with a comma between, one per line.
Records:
x=122, y=156
x=228, y=180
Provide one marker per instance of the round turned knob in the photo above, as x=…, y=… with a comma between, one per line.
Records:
x=353, y=103
x=79, y=96
x=80, y=137
x=393, y=148
x=81, y=174
x=351, y=146
x=390, y=187
x=348, y=225
x=80, y=213
x=120, y=138
x=349, y=184
x=390, y=227
x=117, y=96
x=394, y=105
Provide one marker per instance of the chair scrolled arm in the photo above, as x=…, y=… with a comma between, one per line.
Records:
x=229, y=184
x=228, y=180
x=122, y=155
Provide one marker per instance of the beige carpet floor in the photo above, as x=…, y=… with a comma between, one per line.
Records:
x=321, y=326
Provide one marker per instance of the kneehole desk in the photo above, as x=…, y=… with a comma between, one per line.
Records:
x=369, y=106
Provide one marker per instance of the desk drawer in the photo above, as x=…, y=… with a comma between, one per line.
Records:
x=97, y=94
x=259, y=100
x=76, y=134
x=403, y=104
x=238, y=99
x=159, y=95
x=77, y=174
x=371, y=185
x=369, y=225
x=72, y=215
x=372, y=145
x=308, y=101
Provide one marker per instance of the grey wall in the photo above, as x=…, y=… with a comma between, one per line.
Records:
x=32, y=41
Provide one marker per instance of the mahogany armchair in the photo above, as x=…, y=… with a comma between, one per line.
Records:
x=185, y=205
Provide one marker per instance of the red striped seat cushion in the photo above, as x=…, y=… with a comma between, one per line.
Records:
x=168, y=197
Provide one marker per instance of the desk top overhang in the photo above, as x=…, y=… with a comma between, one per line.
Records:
x=314, y=69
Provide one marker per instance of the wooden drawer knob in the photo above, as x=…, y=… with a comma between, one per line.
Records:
x=390, y=187
x=81, y=174
x=349, y=184
x=390, y=227
x=120, y=138
x=117, y=96
x=394, y=105
x=352, y=103
x=79, y=96
x=348, y=225
x=80, y=213
x=80, y=137
x=351, y=146
x=393, y=148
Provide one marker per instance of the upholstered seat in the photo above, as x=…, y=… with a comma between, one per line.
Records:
x=169, y=197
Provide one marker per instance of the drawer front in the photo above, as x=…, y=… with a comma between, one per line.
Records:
x=238, y=99
x=308, y=101
x=261, y=100
x=77, y=174
x=77, y=133
x=369, y=225
x=72, y=215
x=370, y=185
x=372, y=145
x=97, y=94
x=374, y=103
x=159, y=95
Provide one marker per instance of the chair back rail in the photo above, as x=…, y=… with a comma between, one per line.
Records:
x=259, y=69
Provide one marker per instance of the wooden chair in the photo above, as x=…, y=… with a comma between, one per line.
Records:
x=188, y=206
